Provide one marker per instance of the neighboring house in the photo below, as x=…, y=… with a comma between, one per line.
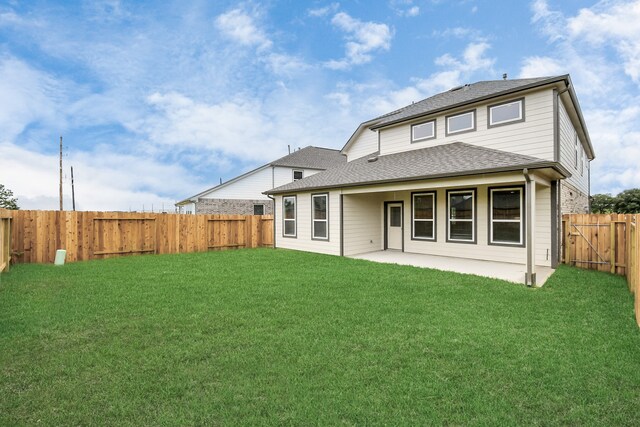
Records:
x=243, y=195
x=482, y=171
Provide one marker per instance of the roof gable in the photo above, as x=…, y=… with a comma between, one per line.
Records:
x=312, y=158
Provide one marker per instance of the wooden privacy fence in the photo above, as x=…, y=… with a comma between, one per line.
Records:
x=94, y=235
x=5, y=241
x=604, y=242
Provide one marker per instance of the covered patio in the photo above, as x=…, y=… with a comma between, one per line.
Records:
x=510, y=272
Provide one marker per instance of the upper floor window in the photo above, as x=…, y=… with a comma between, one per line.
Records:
x=462, y=122
x=297, y=175
x=507, y=112
x=423, y=131
x=258, y=209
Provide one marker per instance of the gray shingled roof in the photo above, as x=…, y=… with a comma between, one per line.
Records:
x=447, y=160
x=312, y=158
x=460, y=96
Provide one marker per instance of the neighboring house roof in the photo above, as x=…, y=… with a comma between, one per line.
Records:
x=305, y=158
x=312, y=158
x=459, y=96
x=449, y=160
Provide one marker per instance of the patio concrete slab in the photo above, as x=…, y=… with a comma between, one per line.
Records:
x=497, y=270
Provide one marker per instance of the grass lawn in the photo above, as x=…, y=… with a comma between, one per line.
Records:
x=281, y=337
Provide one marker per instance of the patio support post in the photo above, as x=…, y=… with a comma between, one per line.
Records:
x=530, y=277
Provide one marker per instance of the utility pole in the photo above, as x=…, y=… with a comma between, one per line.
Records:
x=73, y=191
x=61, y=208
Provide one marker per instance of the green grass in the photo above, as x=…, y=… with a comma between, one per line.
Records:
x=281, y=337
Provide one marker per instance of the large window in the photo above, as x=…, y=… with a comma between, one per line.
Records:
x=506, y=216
x=289, y=216
x=461, y=122
x=424, y=216
x=319, y=216
x=507, y=112
x=461, y=216
x=423, y=131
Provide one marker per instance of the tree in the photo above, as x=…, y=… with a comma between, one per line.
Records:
x=628, y=202
x=602, y=203
x=7, y=201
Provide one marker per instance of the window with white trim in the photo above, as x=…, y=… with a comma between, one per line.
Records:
x=289, y=216
x=320, y=216
x=298, y=175
x=506, y=113
x=461, y=122
x=461, y=216
x=423, y=131
x=506, y=216
x=424, y=216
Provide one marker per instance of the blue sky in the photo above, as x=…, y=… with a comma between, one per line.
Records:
x=157, y=101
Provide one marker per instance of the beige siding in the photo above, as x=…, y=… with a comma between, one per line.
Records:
x=366, y=143
x=481, y=250
x=303, y=241
x=533, y=137
x=363, y=223
x=579, y=173
x=543, y=226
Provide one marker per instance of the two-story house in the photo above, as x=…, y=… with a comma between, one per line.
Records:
x=482, y=171
x=243, y=195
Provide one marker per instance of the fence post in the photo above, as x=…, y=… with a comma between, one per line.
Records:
x=612, y=254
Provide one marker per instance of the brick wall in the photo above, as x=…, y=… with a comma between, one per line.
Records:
x=573, y=200
x=232, y=206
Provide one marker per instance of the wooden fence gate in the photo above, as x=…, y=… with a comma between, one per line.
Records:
x=604, y=242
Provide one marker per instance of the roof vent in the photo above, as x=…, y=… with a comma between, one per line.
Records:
x=455, y=88
x=372, y=159
x=504, y=76
x=467, y=86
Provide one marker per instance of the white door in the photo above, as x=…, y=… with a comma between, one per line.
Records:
x=394, y=226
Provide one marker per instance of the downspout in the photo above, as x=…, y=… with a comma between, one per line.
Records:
x=274, y=220
x=530, y=278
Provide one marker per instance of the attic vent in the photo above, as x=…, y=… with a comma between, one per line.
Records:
x=372, y=159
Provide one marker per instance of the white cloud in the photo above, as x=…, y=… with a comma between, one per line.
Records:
x=323, y=11
x=240, y=26
x=599, y=47
x=362, y=39
x=29, y=95
x=386, y=98
x=540, y=66
x=612, y=25
x=404, y=8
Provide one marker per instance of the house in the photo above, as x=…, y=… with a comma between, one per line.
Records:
x=243, y=195
x=482, y=171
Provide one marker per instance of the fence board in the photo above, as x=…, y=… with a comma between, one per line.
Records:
x=95, y=235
